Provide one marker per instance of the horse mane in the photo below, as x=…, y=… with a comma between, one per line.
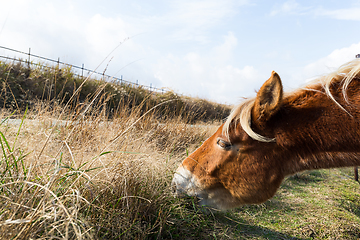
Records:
x=344, y=74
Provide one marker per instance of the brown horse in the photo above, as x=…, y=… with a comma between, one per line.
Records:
x=275, y=135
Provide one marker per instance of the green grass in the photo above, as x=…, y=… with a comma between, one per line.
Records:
x=320, y=204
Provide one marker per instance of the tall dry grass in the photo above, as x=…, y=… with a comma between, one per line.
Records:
x=71, y=172
x=23, y=85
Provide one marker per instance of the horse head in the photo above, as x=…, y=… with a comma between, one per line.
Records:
x=274, y=135
x=231, y=167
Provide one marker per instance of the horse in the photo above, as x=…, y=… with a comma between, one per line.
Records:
x=274, y=135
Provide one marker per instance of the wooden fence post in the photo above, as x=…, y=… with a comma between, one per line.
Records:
x=356, y=174
x=29, y=58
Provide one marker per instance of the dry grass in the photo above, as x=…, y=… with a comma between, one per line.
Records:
x=21, y=86
x=89, y=161
x=88, y=177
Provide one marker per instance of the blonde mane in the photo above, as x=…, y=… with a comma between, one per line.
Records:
x=242, y=113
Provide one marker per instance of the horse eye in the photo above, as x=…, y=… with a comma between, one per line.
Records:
x=223, y=144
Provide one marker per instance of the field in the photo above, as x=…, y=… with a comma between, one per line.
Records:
x=72, y=169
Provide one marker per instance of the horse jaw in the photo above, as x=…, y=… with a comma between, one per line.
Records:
x=185, y=184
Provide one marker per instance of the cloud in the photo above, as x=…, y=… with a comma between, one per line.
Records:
x=105, y=32
x=340, y=14
x=43, y=26
x=80, y=34
x=292, y=7
x=225, y=50
x=62, y=29
x=289, y=7
x=200, y=13
x=192, y=19
x=331, y=62
x=209, y=75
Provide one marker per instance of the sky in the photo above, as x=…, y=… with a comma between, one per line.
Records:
x=220, y=50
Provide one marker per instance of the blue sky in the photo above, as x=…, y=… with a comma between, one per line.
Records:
x=221, y=50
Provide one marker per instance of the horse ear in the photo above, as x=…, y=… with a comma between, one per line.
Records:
x=268, y=99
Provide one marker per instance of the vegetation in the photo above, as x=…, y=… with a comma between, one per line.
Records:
x=23, y=86
x=73, y=169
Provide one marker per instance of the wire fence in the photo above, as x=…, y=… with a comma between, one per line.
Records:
x=120, y=80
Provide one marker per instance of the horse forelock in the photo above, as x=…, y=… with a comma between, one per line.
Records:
x=241, y=114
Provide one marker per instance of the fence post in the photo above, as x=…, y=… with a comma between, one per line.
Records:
x=29, y=57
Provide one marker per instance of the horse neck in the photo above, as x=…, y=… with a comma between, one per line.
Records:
x=317, y=133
